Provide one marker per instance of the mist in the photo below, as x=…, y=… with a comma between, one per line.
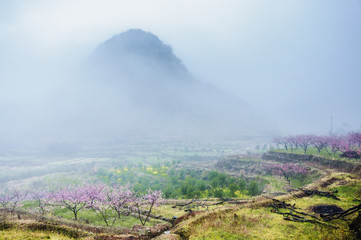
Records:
x=240, y=69
x=135, y=119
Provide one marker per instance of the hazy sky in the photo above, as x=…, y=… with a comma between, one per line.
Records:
x=299, y=61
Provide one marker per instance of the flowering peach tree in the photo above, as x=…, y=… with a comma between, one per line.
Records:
x=287, y=170
x=143, y=204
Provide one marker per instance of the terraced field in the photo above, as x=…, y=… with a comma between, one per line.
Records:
x=282, y=210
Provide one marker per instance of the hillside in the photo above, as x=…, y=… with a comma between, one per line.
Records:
x=324, y=205
x=303, y=213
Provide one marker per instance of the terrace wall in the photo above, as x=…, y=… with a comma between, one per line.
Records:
x=339, y=165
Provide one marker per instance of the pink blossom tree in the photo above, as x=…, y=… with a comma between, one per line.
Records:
x=119, y=197
x=335, y=144
x=281, y=141
x=5, y=198
x=292, y=142
x=42, y=201
x=73, y=199
x=16, y=197
x=349, y=150
x=286, y=170
x=145, y=203
x=103, y=209
x=349, y=145
x=354, y=138
x=353, y=150
x=304, y=141
x=101, y=205
x=319, y=142
x=94, y=192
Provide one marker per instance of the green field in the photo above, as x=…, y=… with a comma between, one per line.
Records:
x=198, y=175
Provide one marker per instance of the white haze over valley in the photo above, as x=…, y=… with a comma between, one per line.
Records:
x=241, y=68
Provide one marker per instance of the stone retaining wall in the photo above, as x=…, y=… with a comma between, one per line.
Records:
x=326, y=162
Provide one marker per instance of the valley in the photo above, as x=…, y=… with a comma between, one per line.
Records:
x=224, y=189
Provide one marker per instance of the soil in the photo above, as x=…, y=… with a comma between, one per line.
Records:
x=327, y=209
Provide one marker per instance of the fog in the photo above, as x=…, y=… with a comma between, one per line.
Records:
x=227, y=70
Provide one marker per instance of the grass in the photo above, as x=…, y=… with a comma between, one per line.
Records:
x=89, y=216
x=258, y=224
x=250, y=223
x=279, y=184
x=275, y=183
x=304, y=180
x=168, y=212
x=32, y=229
x=220, y=222
x=19, y=234
x=261, y=223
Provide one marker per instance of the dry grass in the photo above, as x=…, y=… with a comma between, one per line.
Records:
x=19, y=234
x=255, y=221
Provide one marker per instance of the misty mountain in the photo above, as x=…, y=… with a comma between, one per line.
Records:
x=131, y=87
x=135, y=49
x=143, y=86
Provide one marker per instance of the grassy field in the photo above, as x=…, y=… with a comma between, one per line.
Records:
x=20, y=234
x=90, y=217
x=31, y=229
x=185, y=173
x=256, y=221
x=32, y=168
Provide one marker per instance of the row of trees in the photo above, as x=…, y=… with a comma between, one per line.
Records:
x=109, y=203
x=348, y=145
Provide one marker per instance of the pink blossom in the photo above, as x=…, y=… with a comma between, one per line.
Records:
x=145, y=203
x=320, y=142
x=287, y=170
x=119, y=197
x=73, y=199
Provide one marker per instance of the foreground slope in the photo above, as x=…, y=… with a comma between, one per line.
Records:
x=325, y=209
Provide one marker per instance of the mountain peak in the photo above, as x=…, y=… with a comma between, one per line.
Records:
x=137, y=40
x=142, y=48
x=142, y=86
